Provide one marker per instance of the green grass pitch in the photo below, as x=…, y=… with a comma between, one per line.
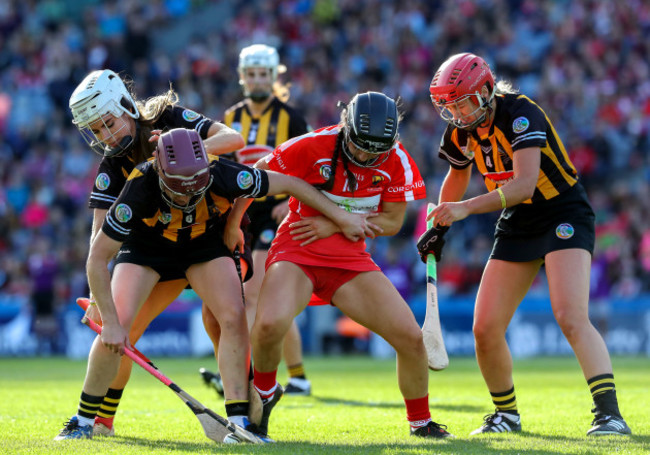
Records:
x=355, y=408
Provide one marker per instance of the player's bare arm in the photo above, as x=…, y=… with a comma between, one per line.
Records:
x=526, y=164
x=103, y=249
x=388, y=223
x=98, y=220
x=353, y=226
x=222, y=139
x=233, y=236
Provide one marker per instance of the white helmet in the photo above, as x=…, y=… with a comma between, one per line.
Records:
x=102, y=92
x=259, y=55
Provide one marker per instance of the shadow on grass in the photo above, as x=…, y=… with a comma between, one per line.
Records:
x=482, y=445
x=386, y=404
x=640, y=438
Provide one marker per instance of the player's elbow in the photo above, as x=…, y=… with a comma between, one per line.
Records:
x=525, y=189
x=391, y=229
x=96, y=260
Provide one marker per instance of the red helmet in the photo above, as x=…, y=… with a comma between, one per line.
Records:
x=461, y=77
x=183, y=166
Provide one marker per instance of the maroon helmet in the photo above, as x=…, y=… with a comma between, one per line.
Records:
x=459, y=80
x=183, y=167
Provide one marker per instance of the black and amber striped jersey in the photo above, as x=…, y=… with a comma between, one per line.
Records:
x=113, y=172
x=141, y=212
x=519, y=123
x=278, y=123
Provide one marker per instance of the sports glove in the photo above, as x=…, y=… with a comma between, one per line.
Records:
x=431, y=242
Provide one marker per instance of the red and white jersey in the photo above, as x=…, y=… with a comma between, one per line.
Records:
x=309, y=157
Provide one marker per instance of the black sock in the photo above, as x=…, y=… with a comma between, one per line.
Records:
x=603, y=392
x=110, y=403
x=89, y=405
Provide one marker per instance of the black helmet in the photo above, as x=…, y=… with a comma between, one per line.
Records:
x=372, y=122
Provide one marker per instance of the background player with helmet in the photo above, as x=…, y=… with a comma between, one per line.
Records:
x=124, y=131
x=546, y=219
x=170, y=220
x=360, y=165
x=265, y=121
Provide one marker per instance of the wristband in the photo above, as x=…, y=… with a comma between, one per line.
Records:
x=503, y=198
x=92, y=302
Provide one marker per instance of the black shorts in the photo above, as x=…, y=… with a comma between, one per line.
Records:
x=171, y=262
x=527, y=232
x=263, y=227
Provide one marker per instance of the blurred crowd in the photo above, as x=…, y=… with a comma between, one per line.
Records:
x=586, y=62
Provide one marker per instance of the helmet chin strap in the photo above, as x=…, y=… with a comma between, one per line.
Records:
x=126, y=143
x=487, y=105
x=258, y=97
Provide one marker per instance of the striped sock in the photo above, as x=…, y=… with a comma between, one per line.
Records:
x=265, y=383
x=601, y=384
x=236, y=408
x=108, y=408
x=237, y=412
x=603, y=392
x=417, y=412
x=505, y=401
x=297, y=371
x=88, y=407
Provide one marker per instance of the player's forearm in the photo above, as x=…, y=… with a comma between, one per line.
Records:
x=222, y=139
x=389, y=224
x=311, y=196
x=454, y=185
x=238, y=210
x=513, y=193
x=99, y=280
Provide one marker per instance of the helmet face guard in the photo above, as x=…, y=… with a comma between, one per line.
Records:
x=115, y=133
x=466, y=113
x=456, y=90
x=98, y=105
x=259, y=56
x=371, y=124
x=171, y=197
x=183, y=168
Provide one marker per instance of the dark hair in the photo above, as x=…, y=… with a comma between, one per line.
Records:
x=352, y=180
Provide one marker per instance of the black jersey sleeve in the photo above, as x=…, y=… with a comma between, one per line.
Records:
x=181, y=117
x=298, y=125
x=528, y=125
x=233, y=180
x=129, y=207
x=109, y=182
x=452, y=144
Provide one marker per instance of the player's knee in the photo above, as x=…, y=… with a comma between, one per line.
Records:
x=408, y=341
x=228, y=316
x=570, y=323
x=268, y=331
x=485, y=334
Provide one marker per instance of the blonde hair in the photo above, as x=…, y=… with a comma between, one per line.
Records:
x=152, y=108
x=504, y=87
x=281, y=91
x=150, y=111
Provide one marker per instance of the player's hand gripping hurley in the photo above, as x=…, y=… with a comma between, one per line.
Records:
x=431, y=331
x=216, y=427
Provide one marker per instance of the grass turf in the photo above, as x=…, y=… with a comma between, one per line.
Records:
x=356, y=407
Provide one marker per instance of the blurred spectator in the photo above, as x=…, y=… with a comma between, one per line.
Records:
x=43, y=268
